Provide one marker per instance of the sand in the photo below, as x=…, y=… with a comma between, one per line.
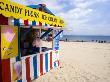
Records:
x=81, y=62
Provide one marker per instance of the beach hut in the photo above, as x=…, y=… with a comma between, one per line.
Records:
x=22, y=29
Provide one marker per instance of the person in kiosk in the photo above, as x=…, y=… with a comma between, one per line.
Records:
x=36, y=42
x=30, y=41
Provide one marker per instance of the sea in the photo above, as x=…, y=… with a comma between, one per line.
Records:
x=86, y=38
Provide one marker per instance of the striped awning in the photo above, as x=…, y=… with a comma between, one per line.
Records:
x=20, y=22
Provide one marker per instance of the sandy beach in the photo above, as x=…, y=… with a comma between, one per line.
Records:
x=81, y=62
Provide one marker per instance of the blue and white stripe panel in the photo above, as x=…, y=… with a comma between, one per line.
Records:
x=46, y=62
x=44, y=66
x=23, y=70
x=38, y=65
x=35, y=66
x=32, y=67
x=31, y=63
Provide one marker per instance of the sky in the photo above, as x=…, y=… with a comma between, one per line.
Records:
x=83, y=17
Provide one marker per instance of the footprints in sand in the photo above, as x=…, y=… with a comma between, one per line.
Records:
x=68, y=72
x=75, y=74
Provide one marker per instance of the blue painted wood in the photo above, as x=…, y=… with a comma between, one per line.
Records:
x=16, y=22
x=55, y=64
x=58, y=33
x=19, y=80
x=35, y=66
x=33, y=23
x=45, y=9
x=46, y=24
x=46, y=62
x=18, y=58
x=46, y=33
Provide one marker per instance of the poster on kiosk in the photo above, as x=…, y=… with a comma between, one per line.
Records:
x=9, y=41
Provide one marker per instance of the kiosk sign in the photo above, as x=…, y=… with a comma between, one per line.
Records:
x=9, y=42
x=11, y=9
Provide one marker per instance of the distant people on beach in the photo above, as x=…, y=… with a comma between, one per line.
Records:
x=86, y=38
x=92, y=40
x=66, y=39
x=100, y=41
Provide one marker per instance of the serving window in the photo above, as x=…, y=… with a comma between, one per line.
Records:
x=34, y=41
x=30, y=41
x=47, y=40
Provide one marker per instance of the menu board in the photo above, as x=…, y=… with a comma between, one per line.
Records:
x=9, y=41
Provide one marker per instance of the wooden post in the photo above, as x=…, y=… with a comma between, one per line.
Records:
x=5, y=74
x=40, y=25
x=0, y=58
x=40, y=40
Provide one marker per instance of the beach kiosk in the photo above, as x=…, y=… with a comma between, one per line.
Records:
x=22, y=31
